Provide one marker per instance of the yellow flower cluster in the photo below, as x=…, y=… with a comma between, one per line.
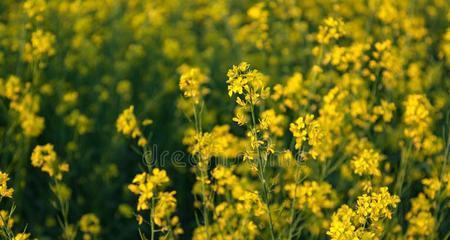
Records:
x=35, y=8
x=25, y=103
x=6, y=217
x=367, y=163
x=432, y=186
x=385, y=110
x=145, y=184
x=128, y=125
x=331, y=29
x=366, y=117
x=79, y=121
x=22, y=236
x=345, y=58
x=331, y=120
x=420, y=218
x=162, y=205
x=11, y=88
x=6, y=220
x=272, y=122
x=382, y=62
x=4, y=190
x=293, y=94
x=90, y=226
x=219, y=142
x=312, y=196
x=226, y=180
x=191, y=82
x=45, y=158
x=307, y=129
x=445, y=46
x=417, y=117
x=376, y=206
x=40, y=46
x=73, y=116
x=251, y=202
x=163, y=212
x=233, y=218
x=365, y=221
x=238, y=215
x=260, y=16
x=248, y=83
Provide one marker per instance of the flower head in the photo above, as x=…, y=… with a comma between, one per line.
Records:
x=128, y=125
x=4, y=190
x=90, y=224
x=247, y=83
x=44, y=157
x=191, y=82
x=331, y=29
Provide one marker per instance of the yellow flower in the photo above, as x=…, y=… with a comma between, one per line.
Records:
x=124, y=89
x=144, y=186
x=128, y=125
x=251, y=84
x=364, y=222
x=4, y=190
x=367, y=163
x=421, y=220
x=164, y=208
x=90, y=224
x=79, y=121
x=191, y=82
x=226, y=180
x=139, y=219
x=312, y=196
x=342, y=226
x=25, y=103
x=331, y=29
x=385, y=110
x=41, y=45
x=240, y=116
x=159, y=177
x=5, y=215
x=22, y=236
x=422, y=224
x=32, y=124
x=417, y=117
x=376, y=206
x=272, y=122
x=432, y=186
x=251, y=203
x=219, y=142
x=147, y=122
x=44, y=157
x=306, y=128
x=259, y=16
x=70, y=98
x=35, y=8
x=62, y=191
x=299, y=130
x=11, y=88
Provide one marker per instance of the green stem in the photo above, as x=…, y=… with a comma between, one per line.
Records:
x=152, y=224
x=440, y=196
x=63, y=208
x=402, y=172
x=291, y=229
x=261, y=174
x=203, y=173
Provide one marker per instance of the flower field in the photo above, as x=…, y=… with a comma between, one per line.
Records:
x=225, y=119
